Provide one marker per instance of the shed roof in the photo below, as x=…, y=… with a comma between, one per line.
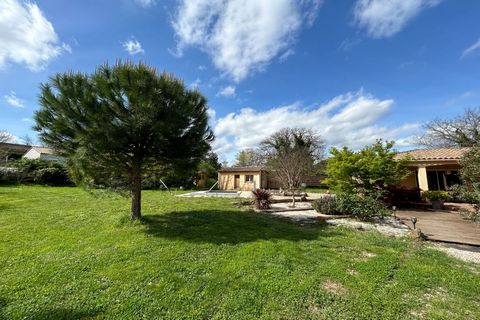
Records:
x=242, y=169
x=433, y=154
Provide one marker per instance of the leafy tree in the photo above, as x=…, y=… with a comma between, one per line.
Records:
x=5, y=137
x=249, y=158
x=122, y=123
x=210, y=164
x=371, y=169
x=462, y=131
x=469, y=190
x=291, y=154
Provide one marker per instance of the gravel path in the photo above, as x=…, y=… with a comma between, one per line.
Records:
x=464, y=253
x=387, y=226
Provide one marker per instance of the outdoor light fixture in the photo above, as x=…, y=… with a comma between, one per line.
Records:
x=394, y=208
x=414, y=221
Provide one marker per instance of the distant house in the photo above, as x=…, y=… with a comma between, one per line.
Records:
x=433, y=169
x=250, y=178
x=12, y=151
x=42, y=153
x=201, y=178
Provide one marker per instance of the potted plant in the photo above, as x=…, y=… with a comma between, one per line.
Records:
x=437, y=198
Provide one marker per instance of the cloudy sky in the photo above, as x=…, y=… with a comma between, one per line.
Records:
x=352, y=70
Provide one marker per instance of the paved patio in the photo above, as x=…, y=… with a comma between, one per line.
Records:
x=447, y=226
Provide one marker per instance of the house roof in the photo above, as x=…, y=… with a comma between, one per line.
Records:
x=15, y=147
x=43, y=150
x=433, y=154
x=241, y=169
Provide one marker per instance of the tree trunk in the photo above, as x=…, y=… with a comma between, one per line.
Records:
x=136, y=211
x=293, y=198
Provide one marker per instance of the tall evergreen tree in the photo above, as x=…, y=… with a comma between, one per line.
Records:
x=121, y=123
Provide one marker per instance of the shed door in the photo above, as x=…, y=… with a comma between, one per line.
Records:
x=236, y=181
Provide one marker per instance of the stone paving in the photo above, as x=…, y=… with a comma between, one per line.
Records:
x=443, y=225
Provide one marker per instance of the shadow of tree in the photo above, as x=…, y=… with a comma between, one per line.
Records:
x=52, y=314
x=228, y=227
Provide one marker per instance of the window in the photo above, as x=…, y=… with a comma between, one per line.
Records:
x=248, y=178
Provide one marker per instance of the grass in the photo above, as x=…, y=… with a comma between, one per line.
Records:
x=316, y=190
x=67, y=254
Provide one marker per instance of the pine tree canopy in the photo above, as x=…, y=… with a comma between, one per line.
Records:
x=121, y=123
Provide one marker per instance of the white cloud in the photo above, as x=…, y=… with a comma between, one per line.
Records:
x=146, y=3
x=195, y=84
x=474, y=47
x=26, y=36
x=133, y=47
x=12, y=100
x=241, y=36
x=350, y=119
x=27, y=120
x=384, y=18
x=228, y=91
x=202, y=68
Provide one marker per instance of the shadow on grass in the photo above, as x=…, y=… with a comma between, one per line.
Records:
x=53, y=313
x=229, y=227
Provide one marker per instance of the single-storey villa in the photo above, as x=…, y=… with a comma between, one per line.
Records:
x=433, y=169
x=251, y=178
x=12, y=151
x=42, y=153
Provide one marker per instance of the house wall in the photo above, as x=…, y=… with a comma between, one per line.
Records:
x=226, y=181
x=32, y=154
x=411, y=180
x=418, y=175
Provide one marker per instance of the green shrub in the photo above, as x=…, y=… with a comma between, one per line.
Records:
x=436, y=195
x=42, y=171
x=361, y=206
x=210, y=182
x=327, y=205
x=263, y=199
x=473, y=215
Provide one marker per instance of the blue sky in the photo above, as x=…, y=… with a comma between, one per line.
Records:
x=352, y=70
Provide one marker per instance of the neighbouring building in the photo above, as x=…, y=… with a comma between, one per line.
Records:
x=433, y=169
x=42, y=153
x=201, y=179
x=250, y=178
x=12, y=151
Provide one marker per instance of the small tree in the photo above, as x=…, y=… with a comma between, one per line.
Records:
x=371, y=169
x=249, y=158
x=291, y=154
x=470, y=174
x=5, y=137
x=462, y=131
x=122, y=123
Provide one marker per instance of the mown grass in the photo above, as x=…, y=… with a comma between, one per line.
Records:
x=66, y=254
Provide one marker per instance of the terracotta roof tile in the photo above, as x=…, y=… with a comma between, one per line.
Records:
x=434, y=154
x=241, y=169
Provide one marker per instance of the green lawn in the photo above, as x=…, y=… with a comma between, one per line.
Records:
x=66, y=254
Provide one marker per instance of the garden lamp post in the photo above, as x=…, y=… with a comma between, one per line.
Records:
x=394, y=208
x=414, y=221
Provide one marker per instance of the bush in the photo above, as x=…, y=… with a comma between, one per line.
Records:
x=51, y=176
x=361, y=206
x=327, y=205
x=358, y=205
x=210, y=182
x=42, y=171
x=436, y=195
x=473, y=215
x=263, y=199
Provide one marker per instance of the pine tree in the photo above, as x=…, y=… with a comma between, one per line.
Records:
x=121, y=123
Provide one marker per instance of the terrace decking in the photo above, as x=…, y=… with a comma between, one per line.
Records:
x=445, y=226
